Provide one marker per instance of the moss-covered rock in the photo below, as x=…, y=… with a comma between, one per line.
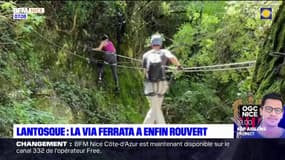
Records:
x=61, y=111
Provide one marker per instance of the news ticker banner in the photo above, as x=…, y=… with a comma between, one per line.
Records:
x=123, y=149
x=119, y=149
x=123, y=131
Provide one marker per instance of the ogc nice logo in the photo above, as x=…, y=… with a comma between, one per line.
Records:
x=249, y=115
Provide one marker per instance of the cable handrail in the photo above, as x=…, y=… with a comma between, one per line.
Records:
x=221, y=65
x=219, y=69
x=189, y=69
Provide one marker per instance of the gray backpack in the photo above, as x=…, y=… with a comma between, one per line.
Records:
x=156, y=70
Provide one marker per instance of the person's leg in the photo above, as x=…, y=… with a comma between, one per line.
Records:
x=156, y=104
x=111, y=58
x=100, y=71
x=115, y=75
x=162, y=89
x=150, y=116
x=149, y=92
x=159, y=114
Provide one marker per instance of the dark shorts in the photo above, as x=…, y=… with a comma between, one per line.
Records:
x=110, y=58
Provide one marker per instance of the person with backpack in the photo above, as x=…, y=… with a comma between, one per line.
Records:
x=156, y=84
x=110, y=57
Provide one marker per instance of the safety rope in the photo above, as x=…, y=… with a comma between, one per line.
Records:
x=200, y=67
x=219, y=69
x=222, y=65
x=277, y=54
x=189, y=69
x=134, y=59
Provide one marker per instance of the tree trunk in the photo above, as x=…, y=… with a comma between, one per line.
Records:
x=269, y=74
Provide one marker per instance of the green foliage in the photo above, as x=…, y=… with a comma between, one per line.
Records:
x=41, y=82
x=7, y=7
x=216, y=34
x=166, y=8
x=193, y=107
x=22, y=112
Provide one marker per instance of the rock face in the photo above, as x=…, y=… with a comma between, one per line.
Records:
x=269, y=74
x=57, y=108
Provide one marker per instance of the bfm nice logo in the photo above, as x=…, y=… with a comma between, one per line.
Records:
x=249, y=115
x=22, y=13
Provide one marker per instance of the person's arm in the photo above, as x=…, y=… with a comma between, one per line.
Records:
x=100, y=47
x=173, y=60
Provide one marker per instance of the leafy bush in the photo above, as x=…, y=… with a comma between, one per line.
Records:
x=197, y=105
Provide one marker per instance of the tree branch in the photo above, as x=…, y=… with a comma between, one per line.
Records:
x=73, y=26
x=178, y=11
